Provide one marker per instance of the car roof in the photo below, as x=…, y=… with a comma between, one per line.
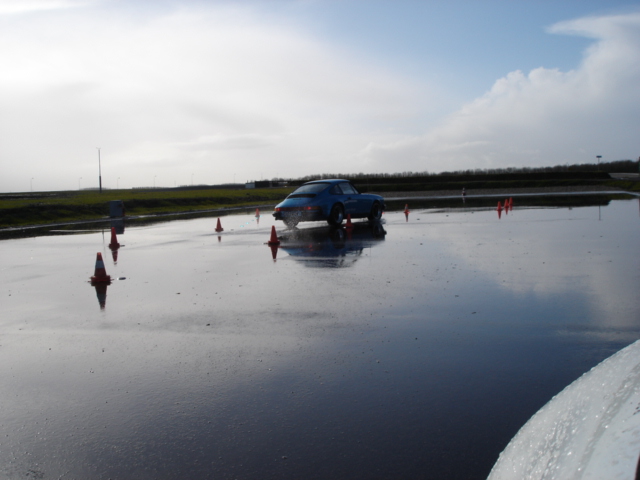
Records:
x=328, y=180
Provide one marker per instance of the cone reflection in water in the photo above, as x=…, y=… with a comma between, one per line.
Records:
x=406, y=215
x=114, y=245
x=101, y=293
x=100, y=274
x=114, y=240
x=274, y=251
x=499, y=213
x=219, y=227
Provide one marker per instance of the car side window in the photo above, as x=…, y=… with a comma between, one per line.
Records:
x=348, y=189
x=335, y=190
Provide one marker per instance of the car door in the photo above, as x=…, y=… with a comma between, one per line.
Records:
x=364, y=202
x=352, y=205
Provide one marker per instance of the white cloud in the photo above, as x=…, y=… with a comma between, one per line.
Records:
x=221, y=91
x=546, y=117
x=22, y=6
x=216, y=90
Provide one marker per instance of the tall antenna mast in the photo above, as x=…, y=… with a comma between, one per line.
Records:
x=99, y=171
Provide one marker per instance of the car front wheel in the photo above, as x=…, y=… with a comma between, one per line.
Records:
x=336, y=216
x=376, y=212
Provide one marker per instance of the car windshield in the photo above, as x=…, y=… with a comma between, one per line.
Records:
x=311, y=188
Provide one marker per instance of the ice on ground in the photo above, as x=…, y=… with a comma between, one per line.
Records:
x=590, y=430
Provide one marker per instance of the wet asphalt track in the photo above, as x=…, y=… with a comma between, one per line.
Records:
x=411, y=349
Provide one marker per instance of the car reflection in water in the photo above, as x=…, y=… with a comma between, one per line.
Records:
x=330, y=247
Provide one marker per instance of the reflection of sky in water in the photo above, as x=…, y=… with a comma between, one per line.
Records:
x=546, y=253
x=211, y=360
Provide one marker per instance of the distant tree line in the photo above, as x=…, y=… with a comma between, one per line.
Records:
x=617, y=166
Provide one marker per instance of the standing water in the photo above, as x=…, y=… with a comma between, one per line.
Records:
x=411, y=349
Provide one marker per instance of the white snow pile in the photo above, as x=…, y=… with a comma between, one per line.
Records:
x=590, y=430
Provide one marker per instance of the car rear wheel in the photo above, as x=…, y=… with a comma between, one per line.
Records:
x=376, y=212
x=336, y=216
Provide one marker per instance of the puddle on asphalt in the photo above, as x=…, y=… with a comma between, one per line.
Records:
x=418, y=345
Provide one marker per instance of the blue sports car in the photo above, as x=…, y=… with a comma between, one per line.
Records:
x=330, y=200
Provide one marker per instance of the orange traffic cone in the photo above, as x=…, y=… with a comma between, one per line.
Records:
x=499, y=207
x=274, y=238
x=349, y=224
x=406, y=208
x=257, y=213
x=219, y=227
x=114, y=245
x=100, y=274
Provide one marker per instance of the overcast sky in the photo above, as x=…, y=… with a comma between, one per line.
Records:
x=203, y=92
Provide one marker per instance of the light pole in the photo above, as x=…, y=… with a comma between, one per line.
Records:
x=154, y=181
x=80, y=183
x=192, y=179
x=32, y=184
x=598, y=157
x=99, y=171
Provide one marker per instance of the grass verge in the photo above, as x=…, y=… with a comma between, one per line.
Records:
x=54, y=207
